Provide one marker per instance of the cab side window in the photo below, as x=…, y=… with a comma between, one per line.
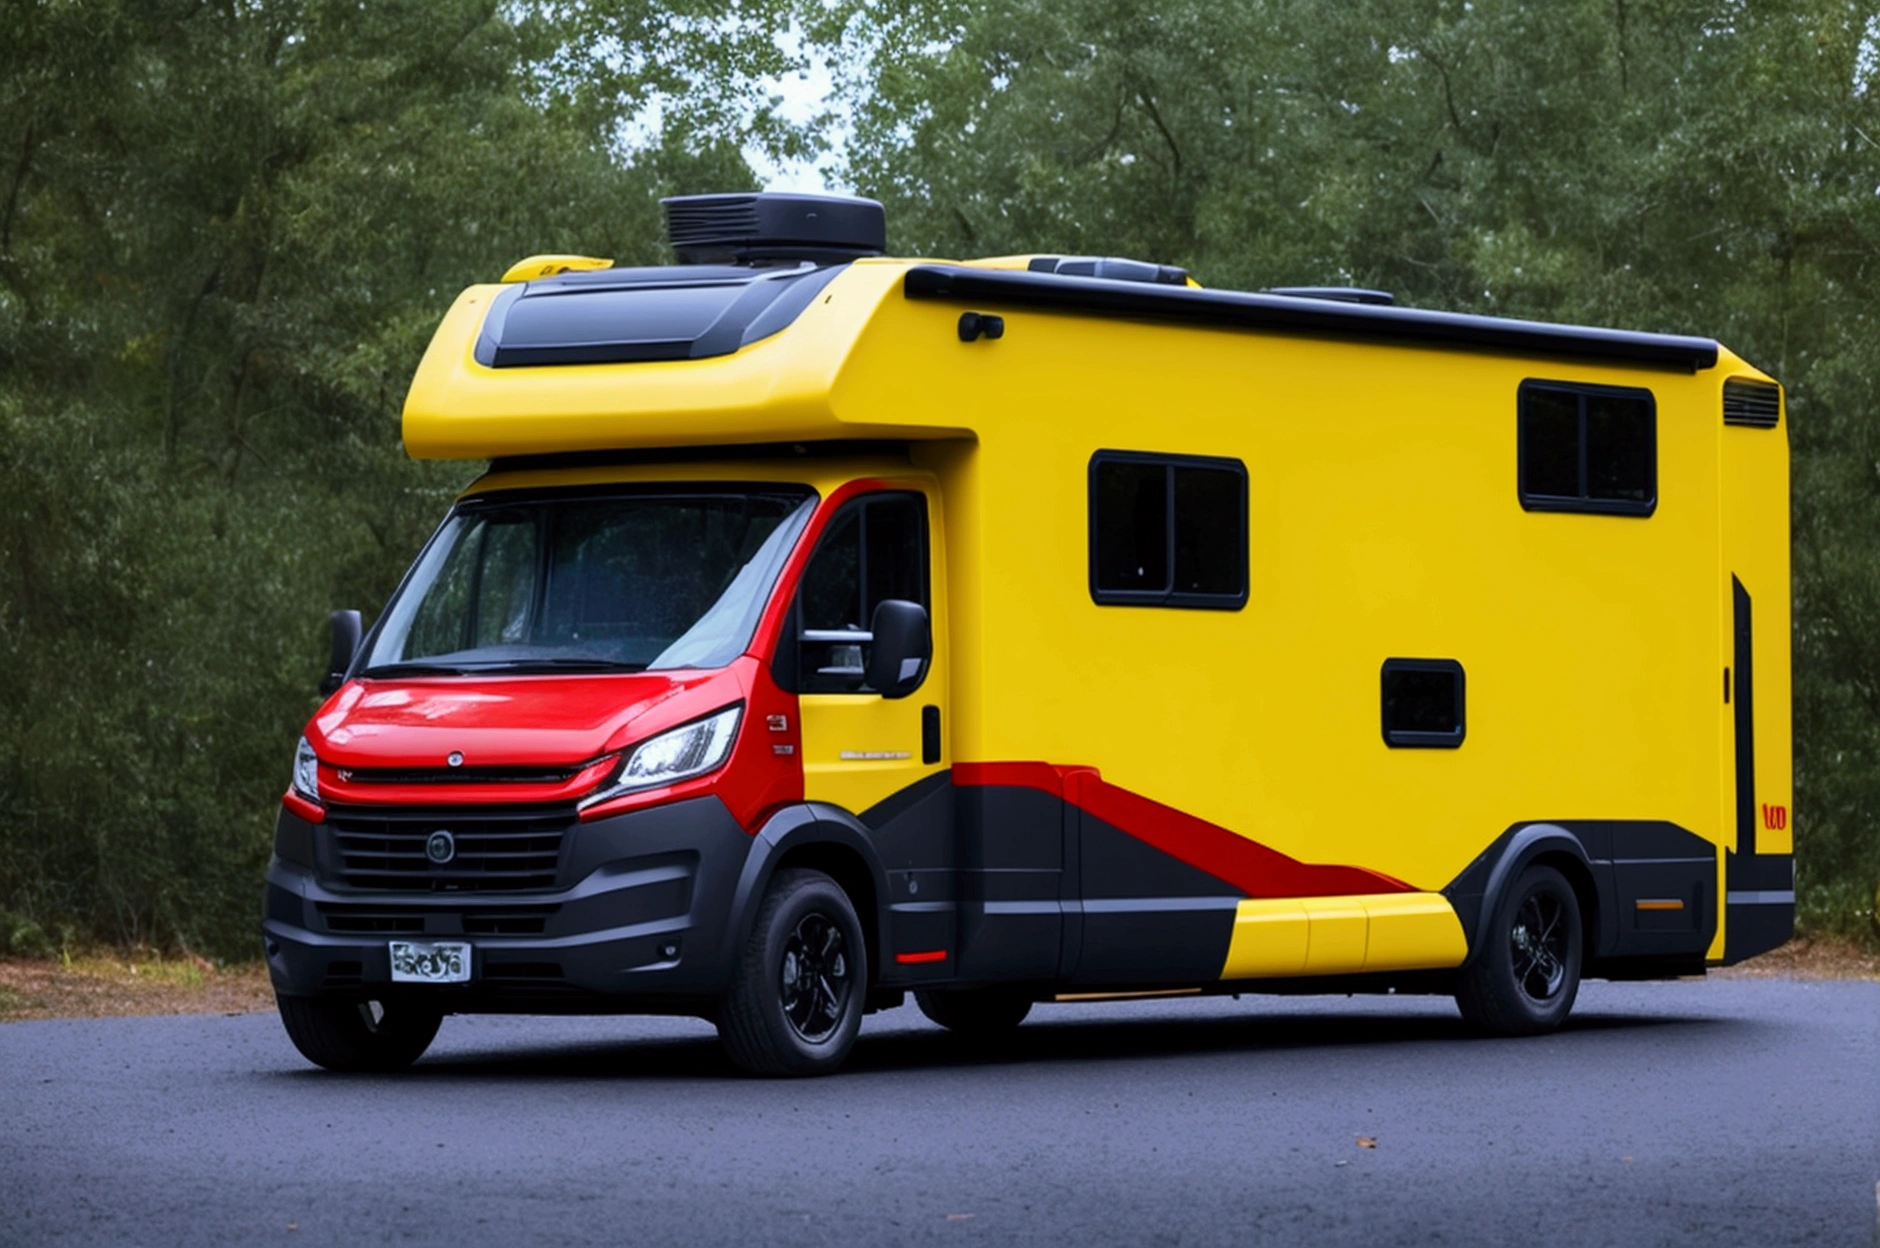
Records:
x=874, y=548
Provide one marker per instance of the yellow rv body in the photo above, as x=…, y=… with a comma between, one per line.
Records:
x=1414, y=657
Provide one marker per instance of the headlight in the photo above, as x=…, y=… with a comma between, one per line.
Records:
x=690, y=750
x=306, y=772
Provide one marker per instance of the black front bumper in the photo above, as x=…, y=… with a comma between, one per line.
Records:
x=640, y=918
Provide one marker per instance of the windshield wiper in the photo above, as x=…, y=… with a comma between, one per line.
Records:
x=413, y=669
x=564, y=663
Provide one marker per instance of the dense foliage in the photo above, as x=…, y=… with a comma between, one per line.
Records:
x=226, y=232
x=227, y=228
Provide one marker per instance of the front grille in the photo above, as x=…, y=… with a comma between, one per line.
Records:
x=459, y=775
x=511, y=851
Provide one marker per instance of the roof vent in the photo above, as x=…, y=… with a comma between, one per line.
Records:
x=829, y=229
x=1111, y=268
x=1757, y=404
x=1337, y=294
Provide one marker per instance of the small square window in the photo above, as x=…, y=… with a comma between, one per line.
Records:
x=1423, y=703
x=1168, y=531
x=1587, y=448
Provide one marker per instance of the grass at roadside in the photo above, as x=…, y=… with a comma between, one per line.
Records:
x=104, y=984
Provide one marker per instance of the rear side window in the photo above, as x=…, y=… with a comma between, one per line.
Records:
x=1168, y=531
x=1587, y=448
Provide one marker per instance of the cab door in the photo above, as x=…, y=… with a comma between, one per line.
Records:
x=881, y=759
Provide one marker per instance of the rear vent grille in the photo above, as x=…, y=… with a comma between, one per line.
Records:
x=1757, y=404
x=507, y=852
x=823, y=229
x=705, y=220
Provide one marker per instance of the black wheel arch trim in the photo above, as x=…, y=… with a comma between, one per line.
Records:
x=795, y=827
x=1614, y=858
x=1478, y=890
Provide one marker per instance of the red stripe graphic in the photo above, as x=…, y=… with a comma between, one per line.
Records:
x=1247, y=865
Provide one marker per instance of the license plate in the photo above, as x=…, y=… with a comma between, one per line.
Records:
x=436, y=962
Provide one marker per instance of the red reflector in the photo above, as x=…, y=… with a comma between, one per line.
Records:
x=930, y=955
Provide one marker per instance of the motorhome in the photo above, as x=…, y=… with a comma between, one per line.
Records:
x=828, y=627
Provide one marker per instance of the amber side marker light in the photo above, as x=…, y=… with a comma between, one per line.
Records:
x=1126, y=996
x=1653, y=903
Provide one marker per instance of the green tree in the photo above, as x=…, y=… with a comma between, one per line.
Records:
x=226, y=233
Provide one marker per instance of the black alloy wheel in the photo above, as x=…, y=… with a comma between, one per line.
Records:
x=1525, y=977
x=815, y=983
x=1537, y=947
x=797, y=994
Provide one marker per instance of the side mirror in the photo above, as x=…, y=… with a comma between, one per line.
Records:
x=902, y=648
x=348, y=628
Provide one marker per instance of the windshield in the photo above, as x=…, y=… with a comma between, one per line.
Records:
x=631, y=581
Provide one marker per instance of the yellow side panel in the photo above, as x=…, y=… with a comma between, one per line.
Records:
x=1385, y=521
x=1269, y=939
x=1331, y=935
x=1337, y=930
x=1413, y=931
x=861, y=748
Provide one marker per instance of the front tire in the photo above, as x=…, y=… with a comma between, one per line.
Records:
x=352, y=1035
x=975, y=1013
x=1526, y=977
x=796, y=999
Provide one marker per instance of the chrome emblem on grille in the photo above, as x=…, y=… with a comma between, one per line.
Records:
x=440, y=847
x=454, y=758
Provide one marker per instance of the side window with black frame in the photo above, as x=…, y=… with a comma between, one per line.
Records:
x=1168, y=531
x=1587, y=448
x=875, y=548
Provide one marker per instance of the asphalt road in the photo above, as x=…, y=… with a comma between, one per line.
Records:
x=1714, y=1113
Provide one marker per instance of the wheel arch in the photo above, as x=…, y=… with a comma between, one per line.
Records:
x=1477, y=892
x=822, y=838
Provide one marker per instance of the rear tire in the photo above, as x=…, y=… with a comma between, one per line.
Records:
x=796, y=998
x=352, y=1035
x=1525, y=979
x=976, y=1013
